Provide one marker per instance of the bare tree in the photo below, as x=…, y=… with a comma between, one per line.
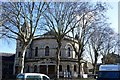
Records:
x=110, y=43
x=118, y=46
x=1, y=33
x=61, y=18
x=96, y=42
x=15, y=16
x=92, y=16
x=101, y=44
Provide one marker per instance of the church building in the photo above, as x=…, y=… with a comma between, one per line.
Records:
x=41, y=56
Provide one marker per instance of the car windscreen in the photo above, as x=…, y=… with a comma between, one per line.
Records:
x=109, y=74
x=45, y=78
x=33, y=77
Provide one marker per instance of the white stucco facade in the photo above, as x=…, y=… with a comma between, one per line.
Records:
x=41, y=57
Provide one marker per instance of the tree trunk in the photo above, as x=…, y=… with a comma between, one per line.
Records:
x=24, y=48
x=79, y=63
x=58, y=60
x=79, y=66
x=23, y=58
x=79, y=69
x=94, y=68
x=95, y=63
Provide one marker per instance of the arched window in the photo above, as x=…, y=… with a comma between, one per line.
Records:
x=20, y=44
x=19, y=54
x=26, y=55
x=68, y=68
x=75, y=68
x=46, y=51
x=60, y=53
x=68, y=51
x=35, y=68
x=60, y=67
x=36, y=51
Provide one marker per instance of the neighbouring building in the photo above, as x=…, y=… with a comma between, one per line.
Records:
x=41, y=56
x=7, y=60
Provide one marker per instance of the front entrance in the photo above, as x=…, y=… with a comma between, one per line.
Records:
x=43, y=69
x=48, y=70
x=51, y=71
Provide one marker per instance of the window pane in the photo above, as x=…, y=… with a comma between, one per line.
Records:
x=68, y=68
x=68, y=51
x=36, y=51
x=19, y=54
x=47, y=51
x=75, y=68
x=28, y=68
x=35, y=68
x=60, y=68
x=33, y=78
x=60, y=53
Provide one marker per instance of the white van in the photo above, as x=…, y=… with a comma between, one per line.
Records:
x=32, y=76
x=109, y=72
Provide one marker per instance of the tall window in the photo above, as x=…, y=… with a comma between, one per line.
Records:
x=20, y=43
x=75, y=68
x=60, y=67
x=60, y=53
x=30, y=55
x=68, y=51
x=19, y=54
x=46, y=51
x=28, y=68
x=68, y=68
x=35, y=68
x=25, y=54
x=36, y=51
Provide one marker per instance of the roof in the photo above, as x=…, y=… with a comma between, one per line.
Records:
x=6, y=54
x=31, y=74
x=7, y=57
x=110, y=67
x=49, y=33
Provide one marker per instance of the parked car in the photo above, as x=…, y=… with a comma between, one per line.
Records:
x=32, y=76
